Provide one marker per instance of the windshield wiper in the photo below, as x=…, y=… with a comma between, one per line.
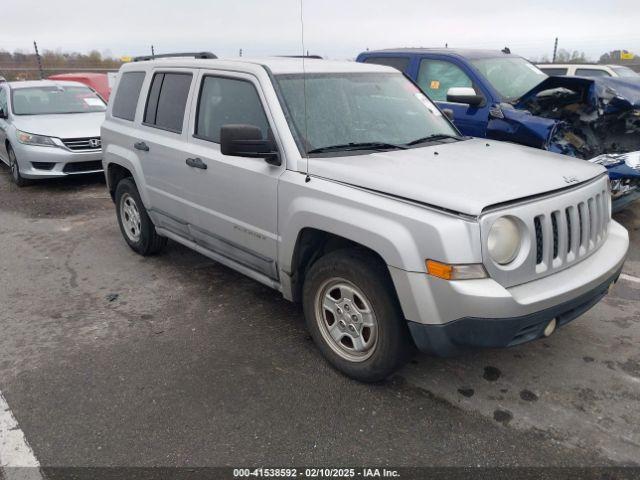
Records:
x=347, y=147
x=434, y=137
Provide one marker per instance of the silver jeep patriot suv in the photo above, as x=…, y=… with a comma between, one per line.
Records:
x=344, y=187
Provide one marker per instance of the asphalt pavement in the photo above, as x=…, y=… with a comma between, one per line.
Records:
x=111, y=359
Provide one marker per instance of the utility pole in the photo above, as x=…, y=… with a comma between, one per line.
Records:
x=240, y=53
x=555, y=51
x=35, y=45
x=153, y=52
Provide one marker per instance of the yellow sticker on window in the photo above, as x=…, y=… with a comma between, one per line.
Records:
x=435, y=85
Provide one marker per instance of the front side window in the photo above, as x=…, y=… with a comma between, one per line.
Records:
x=436, y=77
x=592, y=72
x=225, y=101
x=399, y=63
x=358, y=108
x=512, y=77
x=55, y=99
x=126, y=99
x=167, y=101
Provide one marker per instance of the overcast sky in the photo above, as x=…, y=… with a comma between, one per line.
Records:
x=334, y=28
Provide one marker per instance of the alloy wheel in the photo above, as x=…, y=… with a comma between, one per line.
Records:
x=346, y=319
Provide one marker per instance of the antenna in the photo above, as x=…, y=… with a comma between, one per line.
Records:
x=304, y=93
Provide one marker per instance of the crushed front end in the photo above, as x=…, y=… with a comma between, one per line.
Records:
x=596, y=119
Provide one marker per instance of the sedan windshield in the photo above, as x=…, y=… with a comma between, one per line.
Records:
x=512, y=77
x=55, y=100
x=625, y=72
x=347, y=112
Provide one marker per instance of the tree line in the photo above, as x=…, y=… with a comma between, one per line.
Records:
x=20, y=65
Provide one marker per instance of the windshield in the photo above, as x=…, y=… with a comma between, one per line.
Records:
x=55, y=99
x=359, y=108
x=512, y=77
x=625, y=72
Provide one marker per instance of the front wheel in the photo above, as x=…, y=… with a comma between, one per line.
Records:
x=14, y=168
x=136, y=226
x=354, y=317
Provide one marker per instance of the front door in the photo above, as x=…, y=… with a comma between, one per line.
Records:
x=436, y=77
x=233, y=200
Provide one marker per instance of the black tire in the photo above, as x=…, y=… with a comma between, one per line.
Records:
x=393, y=347
x=147, y=241
x=14, y=169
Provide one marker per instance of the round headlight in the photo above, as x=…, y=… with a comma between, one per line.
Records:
x=504, y=240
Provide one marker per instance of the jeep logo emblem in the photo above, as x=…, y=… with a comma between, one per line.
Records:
x=95, y=143
x=570, y=179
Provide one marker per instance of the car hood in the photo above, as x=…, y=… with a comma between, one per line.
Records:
x=465, y=177
x=610, y=94
x=71, y=125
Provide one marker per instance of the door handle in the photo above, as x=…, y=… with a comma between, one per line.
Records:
x=141, y=146
x=196, y=163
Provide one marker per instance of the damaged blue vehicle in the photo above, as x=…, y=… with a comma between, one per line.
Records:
x=497, y=95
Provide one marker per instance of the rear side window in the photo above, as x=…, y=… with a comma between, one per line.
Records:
x=554, y=71
x=225, y=101
x=591, y=72
x=3, y=101
x=399, y=63
x=126, y=101
x=167, y=101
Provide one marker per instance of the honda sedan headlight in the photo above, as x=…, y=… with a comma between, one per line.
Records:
x=504, y=240
x=33, y=139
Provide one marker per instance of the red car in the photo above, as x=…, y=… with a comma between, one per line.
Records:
x=97, y=81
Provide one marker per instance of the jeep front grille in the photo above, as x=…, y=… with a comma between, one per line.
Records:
x=79, y=144
x=558, y=231
x=573, y=231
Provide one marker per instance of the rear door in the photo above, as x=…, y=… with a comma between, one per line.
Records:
x=436, y=75
x=160, y=146
x=233, y=200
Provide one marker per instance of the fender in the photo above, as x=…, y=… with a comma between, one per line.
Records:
x=511, y=125
x=117, y=155
x=404, y=234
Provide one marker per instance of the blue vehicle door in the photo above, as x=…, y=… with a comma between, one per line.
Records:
x=436, y=74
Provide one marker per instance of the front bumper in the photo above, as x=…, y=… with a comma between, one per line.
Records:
x=52, y=162
x=454, y=337
x=447, y=316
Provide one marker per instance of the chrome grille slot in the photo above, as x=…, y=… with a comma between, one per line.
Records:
x=538, y=229
x=562, y=229
x=554, y=230
x=592, y=222
x=569, y=229
x=79, y=144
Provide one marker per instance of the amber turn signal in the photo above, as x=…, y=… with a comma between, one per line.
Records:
x=455, y=272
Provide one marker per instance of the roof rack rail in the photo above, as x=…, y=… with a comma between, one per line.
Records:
x=202, y=55
x=315, y=57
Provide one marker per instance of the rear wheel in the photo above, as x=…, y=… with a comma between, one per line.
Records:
x=136, y=226
x=354, y=317
x=14, y=168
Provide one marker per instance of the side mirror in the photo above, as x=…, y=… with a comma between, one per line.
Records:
x=464, y=95
x=3, y=114
x=246, y=141
x=448, y=113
